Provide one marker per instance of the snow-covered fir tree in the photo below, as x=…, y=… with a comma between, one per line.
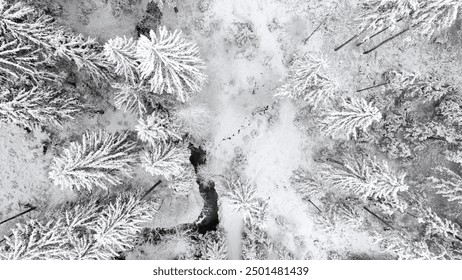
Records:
x=405, y=247
x=98, y=229
x=366, y=177
x=35, y=240
x=447, y=183
x=439, y=226
x=242, y=195
x=163, y=63
x=121, y=52
x=19, y=61
x=432, y=17
x=256, y=243
x=428, y=18
x=170, y=64
x=138, y=98
x=101, y=159
x=40, y=32
x=36, y=107
x=130, y=98
x=167, y=160
x=212, y=246
x=185, y=181
x=306, y=81
x=193, y=119
x=305, y=184
x=413, y=86
x=377, y=15
x=85, y=53
x=157, y=128
x=23, y=22
x=353, y=115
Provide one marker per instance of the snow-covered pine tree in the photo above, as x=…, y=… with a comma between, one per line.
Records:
x=120, y=222
x=377, y=15
x=429, y=18
x=439, y=226
x=193, y=119
x=305, y=185
x=448, y=184
x=306, y=81
x=404, y=247
x=410, y=86
x=40, y=32
x=185, y=181
x=121, y=52
x=213, y=246
x=432, y=17
x=100, y=160
x=85, y=53
x=137, y=98
x=165, y=160
x=256, y=243
x=348, y=214
x=353, y=115
x=35, y=240
x=365, y=178
x=157, y=128
x=24, y=23
x=34, y=106
x=242, y=195
x=98, y=229
x=131, y=98
x=170, y=64
x=18, y=61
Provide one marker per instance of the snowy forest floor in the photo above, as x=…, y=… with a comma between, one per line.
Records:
x=249, y=126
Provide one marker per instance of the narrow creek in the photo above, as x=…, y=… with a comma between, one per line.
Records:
x=208, y=193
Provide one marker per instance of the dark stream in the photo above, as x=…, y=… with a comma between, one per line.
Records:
x=210, y=196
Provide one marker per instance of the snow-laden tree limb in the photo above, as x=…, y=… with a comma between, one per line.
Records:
x=306, y=81
x=165, y=160
x=100, y=160
x=97, y=229
x=170, y=64
x=36, y=106
x=157, y=128
x=353, y=115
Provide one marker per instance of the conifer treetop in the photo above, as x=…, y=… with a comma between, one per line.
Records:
x=33, y=107
x=100, y=160
x=94, y=229
x=170, y=63
x=353, y=115
x=165, y=160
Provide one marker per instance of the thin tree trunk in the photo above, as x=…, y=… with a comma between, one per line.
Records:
x=378, y=33
x=375, y=215
x=18, y=215
x=309, y=200
x=151, y=189
x=386, y=41
x=312, y=33
x=344, y=44
x=371, y=87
